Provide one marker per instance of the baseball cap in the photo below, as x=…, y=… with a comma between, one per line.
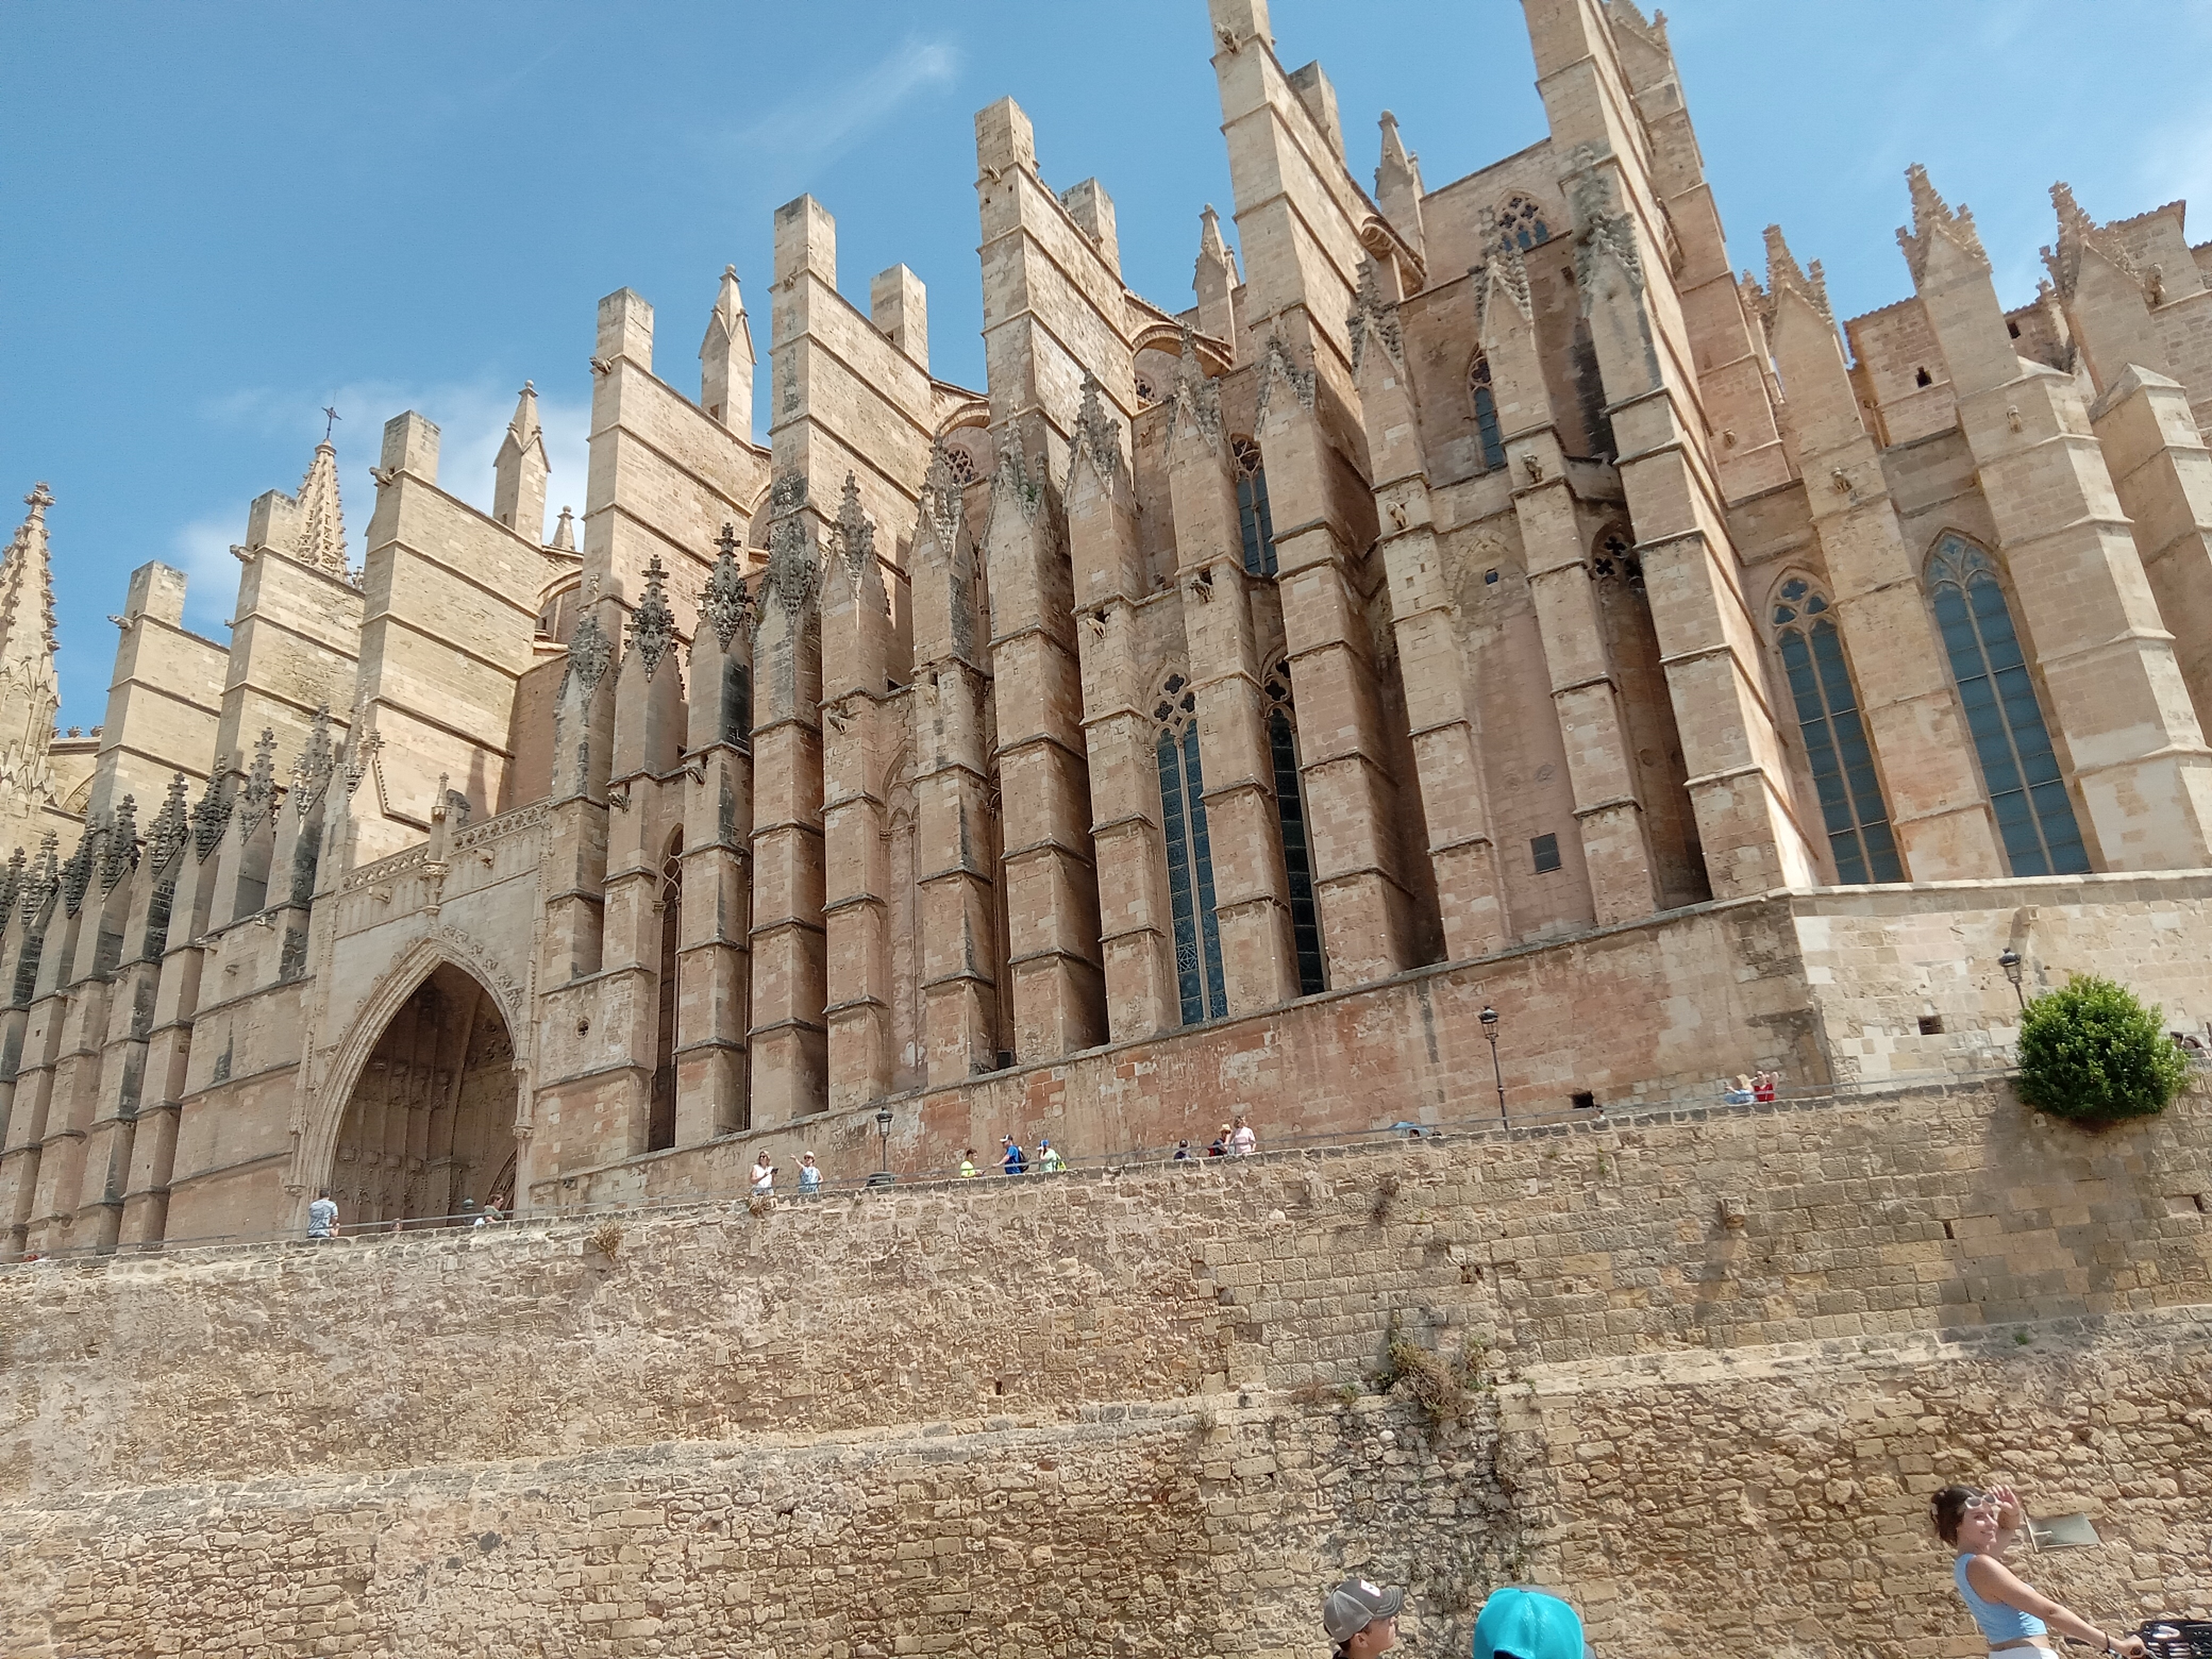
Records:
x=1527, y=1624
x=1354, y=1605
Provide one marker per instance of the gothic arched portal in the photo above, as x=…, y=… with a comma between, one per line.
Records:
x=431, y=1121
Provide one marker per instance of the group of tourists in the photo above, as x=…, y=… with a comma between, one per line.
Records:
x=1747, y=1088
x=2015, y=1619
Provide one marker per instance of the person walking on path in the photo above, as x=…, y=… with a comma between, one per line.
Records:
x=810, y=1176
x=764, y=1175
x=1243, y=1143
x=1049, y=1159
x=323, y=1216
x=2012, y=1614
x=968, y=1164
x=1014, y=1162
x=1361, y=1617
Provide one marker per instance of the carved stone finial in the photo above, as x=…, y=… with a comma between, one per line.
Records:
x=1604, y=232
x=1097, y=435
x=120, y=856
x=1372, y=320
x=1784, y=276
x=1012, y=484
x=724, y=603
x=2079, y=235
x=856, y=536
x=76, y=873
x=652, y=624
x=312, y=768
x=793, y=577
x=172, y=826
x=39, y=501
x=1196, y=398
x=211, y=814
x=1932, y=217
x=11, y=886
x=590, y=650
x=260, y=787
x=1278, y=368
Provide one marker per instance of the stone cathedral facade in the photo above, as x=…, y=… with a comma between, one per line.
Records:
x=1482, y=596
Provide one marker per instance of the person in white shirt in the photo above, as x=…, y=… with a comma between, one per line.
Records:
x=323, y=1216
x=764, y=1175
x=1243, y=1143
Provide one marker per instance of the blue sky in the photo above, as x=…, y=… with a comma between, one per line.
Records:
x=219, y=217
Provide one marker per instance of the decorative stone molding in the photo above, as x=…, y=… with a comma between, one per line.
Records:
x=1373, y=319
x=724, y=605
x=1932, y=218
x=1278, y=368
x=652, y=624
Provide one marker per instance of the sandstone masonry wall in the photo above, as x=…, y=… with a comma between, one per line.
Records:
x=1135, y=1411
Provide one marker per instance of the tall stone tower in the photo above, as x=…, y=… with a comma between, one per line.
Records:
x=29, y=696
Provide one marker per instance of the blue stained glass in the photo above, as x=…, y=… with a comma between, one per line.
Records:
x=1485, y=421
x=1298, y=860
x=1841, y=759
x=1179, y=906
x=2020, y=767
x=1257, y=524
x=1216, y=992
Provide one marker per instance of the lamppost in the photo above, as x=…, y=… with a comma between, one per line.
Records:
x=1490, y=1030
x=883, y=1177
x=2011, y=964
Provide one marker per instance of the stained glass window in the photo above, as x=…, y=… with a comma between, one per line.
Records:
x=1485, y=416
x=1291, y=814
x=2035, y=818
x=1199, y=982
x=1252, y=514
x=1836, y=746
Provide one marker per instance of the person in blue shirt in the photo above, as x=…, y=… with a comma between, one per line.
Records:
x=810, y=1176
x=1014, y=1162
x=2012, y=1614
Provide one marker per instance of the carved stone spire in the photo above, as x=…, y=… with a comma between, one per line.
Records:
x=726, y=360
x=259, y=791
x=310, y=771
x=29, y=693
x=519, y=474
x=2078, y=233
x=1784, y=276
x=590, y=650
x=321, y=542
x=11, y=886
x=564, y=533
x=120, y=856
x=212, y=811
x=793, y=577
x=1398, y=185
x=856, y=536
x=1932, y=218
x=1372, y=320
x=1098, y=433
x=1215, y=281
x=1197, y=399
x=171, y=827
x=724, y=604
x=76, y=873
x=1278, y=368
x=46, y=873
x=652, y=624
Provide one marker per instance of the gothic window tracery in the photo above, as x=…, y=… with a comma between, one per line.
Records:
x=1520, y=223
x=1486, y=414
x=1200, y=984
x=1844, y=780
x=1613, y=558
x=959, y=462
x=2012, y=741
x=1291, y=815
x=1252, y=514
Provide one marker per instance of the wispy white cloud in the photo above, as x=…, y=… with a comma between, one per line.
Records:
x=471, y=416
x=815, y=126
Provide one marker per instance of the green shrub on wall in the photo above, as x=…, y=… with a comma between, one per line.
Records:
x=2090, y=1051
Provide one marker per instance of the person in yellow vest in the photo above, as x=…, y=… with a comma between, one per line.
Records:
x=968, y=1164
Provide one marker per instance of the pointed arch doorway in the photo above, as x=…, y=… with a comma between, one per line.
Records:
x=431, y=1121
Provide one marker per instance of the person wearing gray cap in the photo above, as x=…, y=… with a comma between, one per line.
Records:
x=1361, y=1617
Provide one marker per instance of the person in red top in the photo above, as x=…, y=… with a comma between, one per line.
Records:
x=1765, y=1086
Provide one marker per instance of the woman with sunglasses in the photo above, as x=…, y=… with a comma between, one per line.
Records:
x=2016, y=1617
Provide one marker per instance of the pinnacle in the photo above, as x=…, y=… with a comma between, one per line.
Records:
x=1393, y=147
x=1211, y=243
x=564, y=533
x=321, y=542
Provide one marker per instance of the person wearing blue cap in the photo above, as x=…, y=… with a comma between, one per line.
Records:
x=1516, y=1623
x=1361, y=1617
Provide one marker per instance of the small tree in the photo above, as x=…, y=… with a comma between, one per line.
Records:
x=2090, y=1051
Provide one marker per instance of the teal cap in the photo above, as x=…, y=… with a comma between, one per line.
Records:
x=1527, y=1624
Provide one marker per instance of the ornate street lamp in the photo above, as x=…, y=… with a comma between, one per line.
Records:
x=2011, y=963
x=1490, y=1030
x=882, y=1177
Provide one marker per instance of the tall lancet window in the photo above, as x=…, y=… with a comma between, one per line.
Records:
x=1486, y=414
x=660, y=1125
x=1252, y=515
x=1291, y=813
x=1190, y=856
x=2011, y=740
x=1836, y=747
